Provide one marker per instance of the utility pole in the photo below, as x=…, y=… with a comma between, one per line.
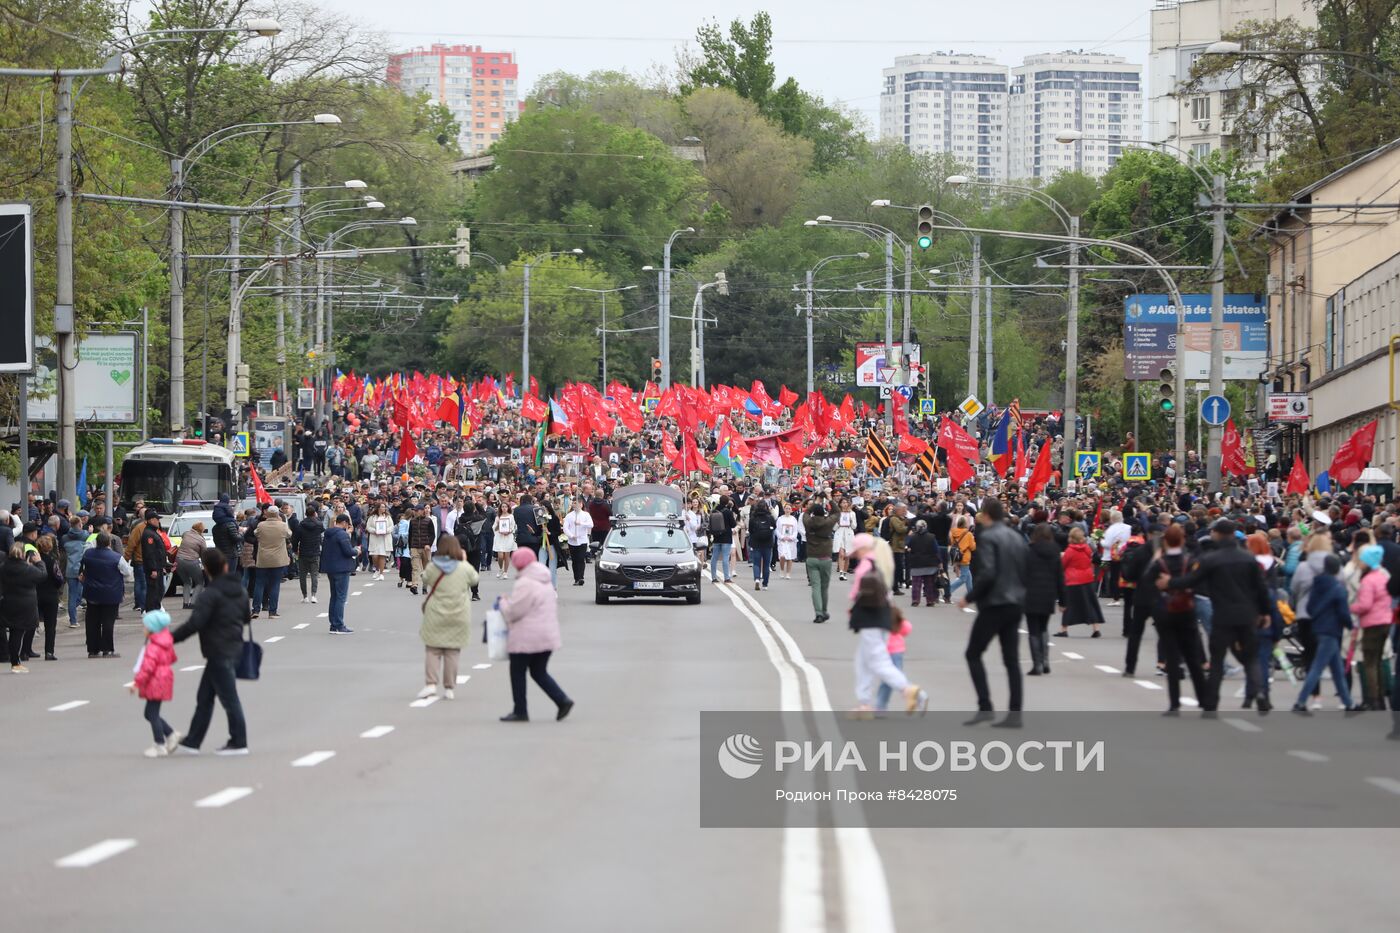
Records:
x=975, y=299
x=234, y=350
x=296, y=263
x=908, y=287
x=1071, y=358
x=700, y=341
x=991, y=381
x=811, y=374
x=177, y=299
x=604, y=386
x=1217, y=325
x=525, y=334
x=63, y=317
x=277, y=275
x=890, y=363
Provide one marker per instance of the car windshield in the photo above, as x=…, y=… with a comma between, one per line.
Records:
x=647, y=538
x=166, y=484
x=647, y=505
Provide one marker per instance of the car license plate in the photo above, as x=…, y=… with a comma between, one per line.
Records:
x=646, y=586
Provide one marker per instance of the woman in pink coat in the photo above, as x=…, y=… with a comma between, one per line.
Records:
x=532, y=615
x=1373, y=615
x=155, y=680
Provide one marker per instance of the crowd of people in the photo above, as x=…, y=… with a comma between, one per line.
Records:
x=1233, y=582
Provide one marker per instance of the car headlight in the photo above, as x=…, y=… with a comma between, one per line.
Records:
x=609, y=565
x=688, y=565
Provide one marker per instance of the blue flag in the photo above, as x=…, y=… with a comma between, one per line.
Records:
x=82, y=486
x=1323, y=482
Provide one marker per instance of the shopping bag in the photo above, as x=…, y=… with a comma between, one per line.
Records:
x=249, y=664
x=495, y=635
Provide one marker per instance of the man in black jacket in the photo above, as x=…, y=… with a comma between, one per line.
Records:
x=306, y=539
x=220, y=612
x=527, y=524
x=999, y=567
x=155, y=560
x=1240, y=606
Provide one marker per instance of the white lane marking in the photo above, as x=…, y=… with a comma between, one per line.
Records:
x=367, y=585
x=357, y=593
x=65, y=707
x=313, y=759
x=480, y=667
x=193, y=667
x=323, y=615
x=1187, y=701
x=463, y=678
x=1309, y=756
x=1072, y=656
x=1022, y=631
x=1242, y=725
x=1106, y=669
x=301, y=626
x=1385, y=783
x=273, y=639
x=86, y=858
x=426, y=701
x=802, y=861
x=224, y=797
x=864, y=888
x=378, y=732
x=1148, y=685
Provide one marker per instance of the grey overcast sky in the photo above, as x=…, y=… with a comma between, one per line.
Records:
x=834, y=48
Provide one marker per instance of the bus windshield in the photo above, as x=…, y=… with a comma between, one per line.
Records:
x=167, y=485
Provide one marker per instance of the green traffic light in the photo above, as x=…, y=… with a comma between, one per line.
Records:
x=925, y=242
x=1168, y=405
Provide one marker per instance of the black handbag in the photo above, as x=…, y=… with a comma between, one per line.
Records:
x=249, y=658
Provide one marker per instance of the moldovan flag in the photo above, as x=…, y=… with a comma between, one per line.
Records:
x=1353, y=457
x=1297, y=478
x=1001, y=450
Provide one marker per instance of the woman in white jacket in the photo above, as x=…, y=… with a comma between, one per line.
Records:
x=504, y=532
x=380, y=528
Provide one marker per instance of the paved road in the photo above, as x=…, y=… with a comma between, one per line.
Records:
x=454, y=821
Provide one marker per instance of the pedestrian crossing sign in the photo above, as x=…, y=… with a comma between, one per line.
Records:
x=1086, y=464
x=1137, y=467
x=239, y=444
x=651, y=404
x=928, y=406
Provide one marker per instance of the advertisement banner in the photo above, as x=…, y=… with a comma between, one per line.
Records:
x=1289, y=406
x=1149, y=336
x=104, y=381
x=16, y=289
x=871, y=366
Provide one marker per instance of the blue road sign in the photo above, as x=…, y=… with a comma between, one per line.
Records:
x=239, y=444
x=928, y=406
x=1086, y=463
x=1137, y=467
x=1215, y=410
x=906, y=391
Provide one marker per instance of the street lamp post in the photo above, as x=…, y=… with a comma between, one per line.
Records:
x=603, y=294
x=666, y=306
x=811, y=274
x=64, y=317
x=525, y=329
x=697, y=330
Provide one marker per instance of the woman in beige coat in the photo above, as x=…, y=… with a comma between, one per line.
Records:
x=447, y=615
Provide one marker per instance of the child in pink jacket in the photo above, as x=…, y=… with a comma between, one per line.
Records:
x=1373, y=616
x=896, y=648
x=155, y=680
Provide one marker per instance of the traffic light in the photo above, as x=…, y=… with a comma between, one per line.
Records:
x=1166, y=389
x=199, y=427
x=240, y=390
x=655, y=370
x=925, y=226
x=463, y=252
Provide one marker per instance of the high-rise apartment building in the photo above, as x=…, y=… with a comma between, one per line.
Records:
x=1002, y=122
x=948, y=103
x=1200, y=122
x=1098, y=95
x=479, y=87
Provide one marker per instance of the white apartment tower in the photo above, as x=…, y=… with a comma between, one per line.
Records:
x=1098, y=95
x=1200, y=123
x=948, y=103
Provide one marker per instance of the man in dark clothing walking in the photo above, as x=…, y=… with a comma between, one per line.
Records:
x=220, y=612
x=306, y=539
x=999, y=591
x=155, y=561
x=527, y=525
x=1240, y=606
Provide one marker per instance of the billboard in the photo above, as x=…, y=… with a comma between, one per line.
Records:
x=104, y=381
x=16, y=289
x=1149, y=336
x=870, y=362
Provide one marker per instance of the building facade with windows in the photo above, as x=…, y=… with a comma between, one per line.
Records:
x=479, y=87
x=1098, y=95
x=1334, y=302
x=1002, y=122
x=1201, y=122
x=948, y=103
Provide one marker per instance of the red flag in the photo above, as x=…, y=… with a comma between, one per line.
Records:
x=630, y=416
x=791, y=453
x=909, y=444
x=259, y=492
x=668, y=448
x=510, y=385
x=534, y=386
x=959, y=471
x=760, y=398
x=844, y=418
x=1298, y=481
x=786, y=397
x=1232, y=451
x=407, y=449
x=693, y=458
x=1020, y=457
x=1040, y=476
x=955, y=440
x=1353, y=457
x=448, y=410
x=898, y=405
x=534, y=408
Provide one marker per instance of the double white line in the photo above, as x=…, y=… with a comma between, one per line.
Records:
x=865, y=895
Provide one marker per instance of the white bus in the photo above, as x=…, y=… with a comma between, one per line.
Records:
x=175, y=475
